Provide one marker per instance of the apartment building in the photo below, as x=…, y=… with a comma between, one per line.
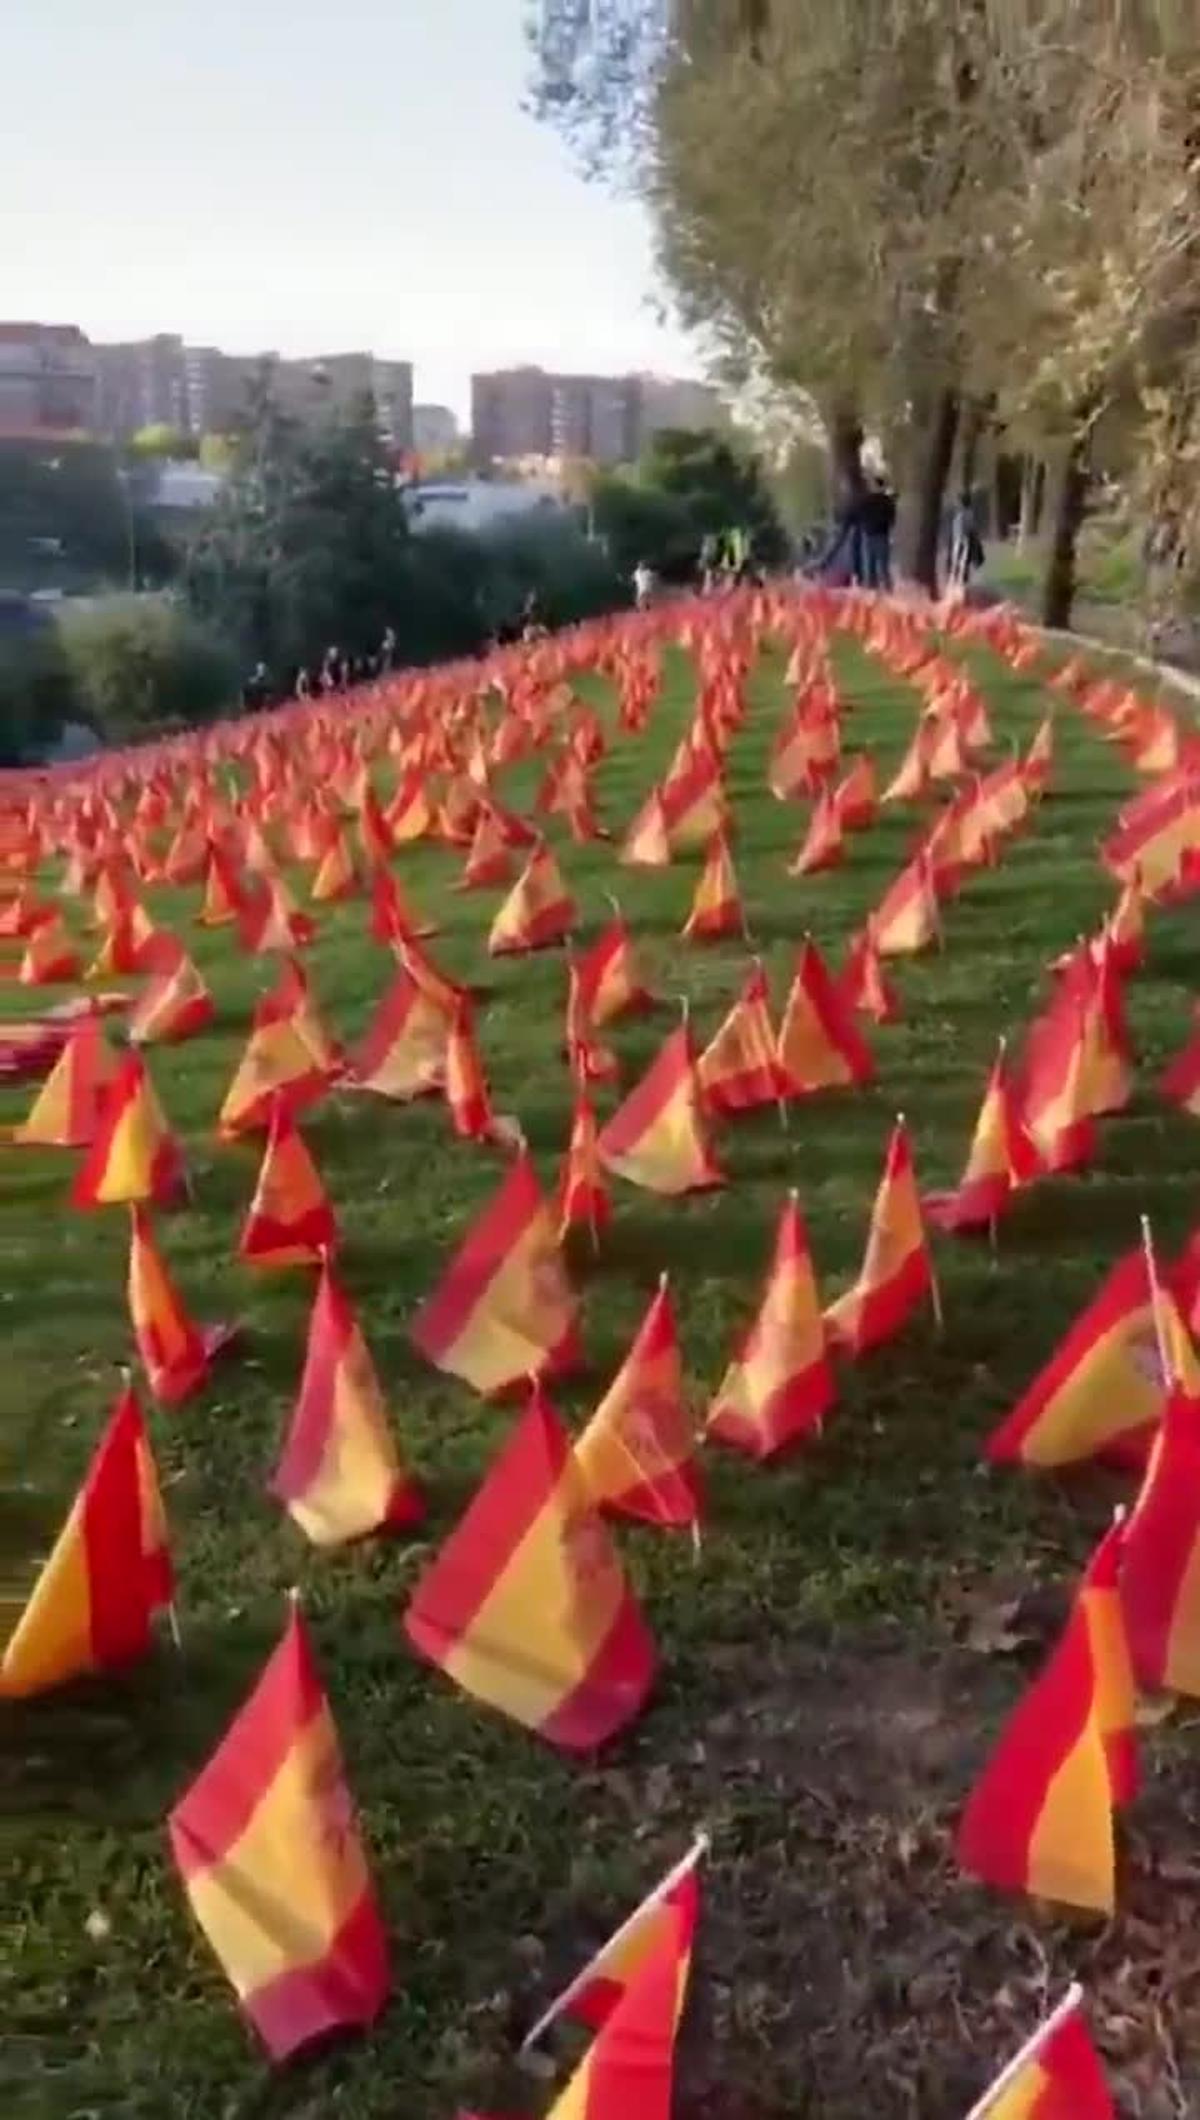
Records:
x=47, y=380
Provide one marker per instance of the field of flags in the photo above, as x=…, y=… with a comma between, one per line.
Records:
x=522, y=1190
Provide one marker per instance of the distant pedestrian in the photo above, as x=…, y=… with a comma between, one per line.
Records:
x=966, y=545
x=877, y=522
x=387, y=650
x=645, y=583
x=842, y=559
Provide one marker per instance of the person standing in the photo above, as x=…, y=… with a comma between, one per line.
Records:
x=878, y=522
x=966, y=545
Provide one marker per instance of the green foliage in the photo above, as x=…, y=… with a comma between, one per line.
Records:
x=139, y=664
x=64, y=516
x=685, y=488
x=160, y=440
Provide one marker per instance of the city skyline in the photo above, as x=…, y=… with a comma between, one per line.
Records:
x=251, y=183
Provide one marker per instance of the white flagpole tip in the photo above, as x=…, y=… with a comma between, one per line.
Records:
x=663, y=1283
x=293, y=1596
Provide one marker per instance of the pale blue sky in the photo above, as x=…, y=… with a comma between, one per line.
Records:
x=311, y=175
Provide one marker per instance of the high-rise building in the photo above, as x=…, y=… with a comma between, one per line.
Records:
x=141, y=383
x=47, y=380
x=219, y=387
x=511, y=413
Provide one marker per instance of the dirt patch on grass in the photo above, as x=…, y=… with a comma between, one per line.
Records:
x=843, y=1958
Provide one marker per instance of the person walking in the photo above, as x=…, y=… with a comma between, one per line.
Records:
x=966, y=545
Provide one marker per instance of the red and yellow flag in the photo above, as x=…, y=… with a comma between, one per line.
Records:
x=291, y=1221
x=271, y=920
x=906, y=919
x=108, y=1572
x=175, y=1353
x=638, y=1451
x=467, y=1094
x=66, y=1111
x=779, y=1386
x=1101, y=1601
x=820, y=1046
x=392, y=918
x=897, y=1273
x=538, y=910
x=1160, y=1558
x=50, y=956
x=583, y=1194
x=336, y=877
x=630, y=2066
x=133, y=1154
x=1103, y=1391
x=277, y=1067
x=716, y=905
x=291, y=1000
x=1040, y=1818
x=1056, y=2076
x=646, y=844
x=489, y=861
x=863, y=985
x=175, y=1002
x=823, y=846
x=1001, y=1160
x=856, y=798
x=1038, y=762
x=671, y=1910
x=526, y=1606
x=340, y=1476
x=658, y=1138
x=609, y=981
x=504, y=1310
x=738, y=1070
x=403, y=1052
x=131, y=934
x=268, y=1848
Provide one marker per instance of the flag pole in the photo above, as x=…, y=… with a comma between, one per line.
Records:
x=696, y=1853
x=1164, y=1353
x=1029, y=2052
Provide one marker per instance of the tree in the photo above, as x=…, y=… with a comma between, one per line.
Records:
x=159, y=440
x=139, y=664
x=685, y=488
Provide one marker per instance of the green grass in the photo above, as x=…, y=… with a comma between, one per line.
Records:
x=817, y=1706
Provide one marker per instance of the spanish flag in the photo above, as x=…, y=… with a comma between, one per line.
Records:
x=339, y=1475
x=738, y=1070
x=50, y=956
x=1001, y=1159
x=1057, y=1103
x=1160, y=1559
x=906, y=919
x=336, y=877
x=629, y=2068
x=1056, y=2076
x=504, y=1310
x=108, y=1572
x=270, y=920
x=693, y=801
x=277, y=1067
x=638, y=1451
x=823, y=846
x=489, y=861
x=267, y=1845
x=673, y=1907
x=819, y=1043
x=911, y=780
x=133, y=1154
x=291, y=1000
x=1038, y=762
x=391, y=915
x=588, y=1059
x=779, y=1386
x=374, y=836
x=608, y=975
x=130, y=934
x=1103, y=1391
x=467, y=1093
x=856, y=798
x=526, y=1605
x=897, y=1272
x=291, y=1221
x=658, y=1138
x=646, y=844
x=583, y=1193
x=66, y=1111
x=403, y=1052
x=224, y=899
x=175, y=1002
x=1040, y=1818
x=409, y=814
x=1101, y=1600
x=864, y=985
x=174, y=1352
x=716, y=906
x=537, y=911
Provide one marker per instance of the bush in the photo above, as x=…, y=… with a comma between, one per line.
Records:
x=142, y=664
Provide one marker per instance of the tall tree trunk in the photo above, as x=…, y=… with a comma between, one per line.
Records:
x=1033, y=490
x=845, y=432
x=1059, y=580
x=972, y=428
x=920, y=527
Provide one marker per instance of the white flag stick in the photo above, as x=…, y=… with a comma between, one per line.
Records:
x=1029, y=2052
x=1165, y=1362
x=696, y=1853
